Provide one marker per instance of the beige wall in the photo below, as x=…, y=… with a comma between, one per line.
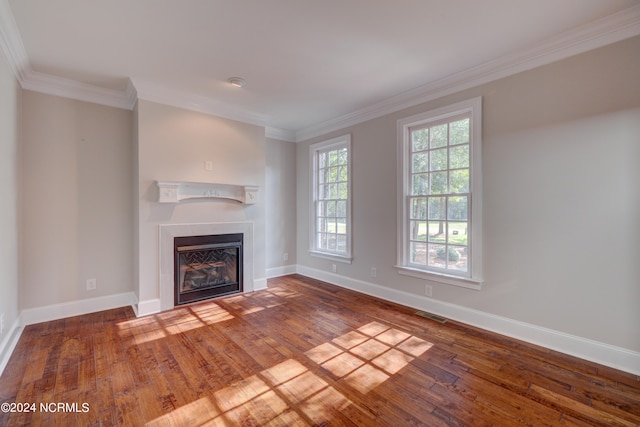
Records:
x=173, y=145
x=9, y=223
x=561, y=198
x=77, y=223
x=280, y=193
x=83, y=217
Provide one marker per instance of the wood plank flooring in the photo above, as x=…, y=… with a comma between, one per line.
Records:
x=302, y=352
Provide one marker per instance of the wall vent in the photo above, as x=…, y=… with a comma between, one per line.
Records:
x=432, y=316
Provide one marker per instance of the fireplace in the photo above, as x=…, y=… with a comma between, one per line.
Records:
x=207, y=266
x=167, y=233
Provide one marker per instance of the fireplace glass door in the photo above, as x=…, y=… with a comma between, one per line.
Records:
x=207, y=267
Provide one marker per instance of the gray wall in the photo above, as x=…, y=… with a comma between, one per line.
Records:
x=561, y=198
x=77, y=197
x=84, y=219
x=9, y=223
x=280, y=192
x=173, y=145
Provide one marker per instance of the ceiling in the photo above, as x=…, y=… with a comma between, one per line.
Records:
x=306, y=63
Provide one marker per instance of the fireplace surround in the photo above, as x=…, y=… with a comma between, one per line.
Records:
x=167, y=235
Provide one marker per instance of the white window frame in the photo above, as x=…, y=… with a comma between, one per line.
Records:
x=473, y=277
x=343, y=141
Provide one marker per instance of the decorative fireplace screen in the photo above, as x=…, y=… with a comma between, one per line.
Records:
x=207, y=266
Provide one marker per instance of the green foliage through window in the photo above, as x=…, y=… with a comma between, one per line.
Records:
x=331, y=179
x=439, y=194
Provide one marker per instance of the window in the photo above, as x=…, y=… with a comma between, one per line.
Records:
x=439, y=220
x=331, y=198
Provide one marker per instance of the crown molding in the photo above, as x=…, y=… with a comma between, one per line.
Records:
x=11, y=42
x=613, y=28
x=153, y=92
x=280, y=134
x=67, y=88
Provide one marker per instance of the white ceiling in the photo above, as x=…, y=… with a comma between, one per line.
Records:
x=305, y=62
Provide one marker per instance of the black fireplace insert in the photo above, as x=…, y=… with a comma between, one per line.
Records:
x=207, y=266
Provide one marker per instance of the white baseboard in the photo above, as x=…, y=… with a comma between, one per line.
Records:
x=260, y=284
x=605, y=354
x=281, y=271
x=58, y=311
x=75, y=308
x=146, y=307
x=153, y=306
x=9, y=343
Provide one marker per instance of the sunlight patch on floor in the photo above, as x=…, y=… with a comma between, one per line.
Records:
x=283, y=372
x=350, y=339
x=289, y=393
x=366, y=378
x=368, y=356
x=265, y=398
x=392, y=361
x=141, y=330
x=173, y=322
x=342, y=364
x=211, y=313
x=195, y=413
x=323, y=352
x=415, y=346
x=284, y=293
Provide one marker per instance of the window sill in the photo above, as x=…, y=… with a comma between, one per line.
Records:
x=333, y=257
x=465, y=282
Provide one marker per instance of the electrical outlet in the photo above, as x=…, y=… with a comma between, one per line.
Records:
x=1, y=323
x=286, y=256
x=374, y=272
x=428, y=290
x=208, y=165
x=334, y=268
x=91, y=284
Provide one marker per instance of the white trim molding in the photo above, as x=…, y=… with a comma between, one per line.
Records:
x=11, y=42
x=280, y=134
x=315, y=198
x=283, y=270
x=613, y=28
x=51, y=312
x=598, y=352
x=47, y=313
x=153, y=92
x=67, y=88
x=8, y=344
x=259, y=284
x=166, y=235
x=472, y=278
x=175, y=191
x=146, y=307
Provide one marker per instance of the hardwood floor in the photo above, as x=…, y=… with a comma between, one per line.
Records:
x=302, y=352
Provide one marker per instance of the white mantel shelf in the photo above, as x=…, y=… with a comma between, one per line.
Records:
x=175, y=191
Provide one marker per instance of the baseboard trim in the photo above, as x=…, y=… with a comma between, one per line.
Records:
x=75, y=308
x=9, y=343
x=153, y=306
x=605, y=354
x=280, y=271
x=147, y=307
x=260, y=284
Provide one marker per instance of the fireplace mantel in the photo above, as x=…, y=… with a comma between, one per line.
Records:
x=175, y=191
